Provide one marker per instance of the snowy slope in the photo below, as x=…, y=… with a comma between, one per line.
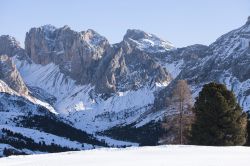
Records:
x=146, y=156
x=80, y=104
x=3, y=146
x=240, y=89
x=39, y=136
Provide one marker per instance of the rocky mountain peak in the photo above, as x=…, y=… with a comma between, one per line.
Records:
x=93, y=38
x=76, y=53
x=48, y=27
x=11, y=47
x=65, y=27
x=146, y=41
x=10, y=40
x=135, y=34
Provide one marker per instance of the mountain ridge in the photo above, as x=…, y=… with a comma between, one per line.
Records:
x=95, y=86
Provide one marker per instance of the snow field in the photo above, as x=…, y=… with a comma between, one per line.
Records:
x=171, y=155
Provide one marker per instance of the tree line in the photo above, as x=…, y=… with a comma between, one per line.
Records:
x=51, y=124
x=19, y=141
x=214, y=119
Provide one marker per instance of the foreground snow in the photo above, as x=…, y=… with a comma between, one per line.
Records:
x=172, y=155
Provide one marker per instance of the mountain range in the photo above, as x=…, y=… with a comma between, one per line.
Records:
x=69, y=90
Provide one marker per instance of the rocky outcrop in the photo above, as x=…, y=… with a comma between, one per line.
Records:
x=77, y=53
x=88, y=57
x=127, y=68
x=10, y=75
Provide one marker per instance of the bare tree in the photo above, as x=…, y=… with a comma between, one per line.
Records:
x=182, y=101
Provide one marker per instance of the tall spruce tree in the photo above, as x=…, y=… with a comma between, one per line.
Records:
x=219, y=119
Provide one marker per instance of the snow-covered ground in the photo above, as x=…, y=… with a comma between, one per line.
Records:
x=172, y=155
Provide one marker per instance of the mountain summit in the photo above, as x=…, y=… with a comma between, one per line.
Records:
x=147, y=42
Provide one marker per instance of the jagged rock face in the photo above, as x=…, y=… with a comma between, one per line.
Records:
x=77, y=53
x=126, y=68
x=129, y=64
x=10, y=75
x=9, y=46
x=88, y=58
x=226, y=61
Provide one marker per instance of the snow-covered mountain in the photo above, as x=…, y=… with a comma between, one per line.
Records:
x=96, y=89
x=29, y=124
x=225, y=61
x=119, y=84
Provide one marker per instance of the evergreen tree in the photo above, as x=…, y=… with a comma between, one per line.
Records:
x=219, y=119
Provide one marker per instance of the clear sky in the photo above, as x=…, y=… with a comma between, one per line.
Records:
x=182, y=22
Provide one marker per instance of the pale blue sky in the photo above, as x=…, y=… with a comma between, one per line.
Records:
x=182, y=22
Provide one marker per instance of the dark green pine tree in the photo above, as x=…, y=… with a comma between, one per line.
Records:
x=219, y=119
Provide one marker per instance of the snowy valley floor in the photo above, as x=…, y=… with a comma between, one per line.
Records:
x=172, y=155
